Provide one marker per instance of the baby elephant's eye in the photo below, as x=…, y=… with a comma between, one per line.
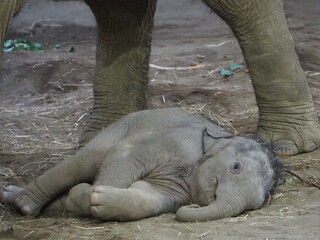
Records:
x=235, y=168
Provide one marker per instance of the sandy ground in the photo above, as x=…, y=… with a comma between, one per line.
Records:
x=46, y=99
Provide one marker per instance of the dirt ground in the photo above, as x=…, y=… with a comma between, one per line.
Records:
x=45, y=100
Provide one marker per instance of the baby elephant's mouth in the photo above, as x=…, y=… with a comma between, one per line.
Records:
x=214, y=189
x=210, y=195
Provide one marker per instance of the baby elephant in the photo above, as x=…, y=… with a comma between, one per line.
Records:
x=153, y=162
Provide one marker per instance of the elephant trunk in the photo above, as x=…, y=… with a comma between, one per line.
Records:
x=221, y=208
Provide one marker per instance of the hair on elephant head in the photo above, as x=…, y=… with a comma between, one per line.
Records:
x=235, y=175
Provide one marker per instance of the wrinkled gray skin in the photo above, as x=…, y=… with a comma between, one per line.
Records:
x=287, y=116
x=153, y=162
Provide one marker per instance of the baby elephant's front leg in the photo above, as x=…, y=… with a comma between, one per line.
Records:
x=137, y=202
x=74, y=203
x=22, y=199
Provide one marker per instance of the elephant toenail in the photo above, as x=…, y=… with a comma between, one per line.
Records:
x=284, y=148
x=26, y=210
x=310, y=146
x=93, y=198
x=96, y=188
x=8, y=188
x=94, y=211
x=19, y=202
x=193, y=206
x=3, y=197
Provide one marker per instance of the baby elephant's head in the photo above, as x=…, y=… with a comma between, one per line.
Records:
x=233, y=176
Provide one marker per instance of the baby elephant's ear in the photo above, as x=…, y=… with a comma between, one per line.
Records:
x=211, y=136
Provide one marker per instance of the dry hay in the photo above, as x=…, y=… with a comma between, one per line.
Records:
x=6, y=172
x=29, y=128
x=304, y=168
x=40, y=130
x=26, y=228
x=203, y=110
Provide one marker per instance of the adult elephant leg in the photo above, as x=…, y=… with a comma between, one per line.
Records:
x=123, y=50
x=8, y=8
x=287, y=116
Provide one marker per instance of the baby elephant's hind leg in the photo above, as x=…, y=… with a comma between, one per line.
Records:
x=75, y=203
x=138, y=201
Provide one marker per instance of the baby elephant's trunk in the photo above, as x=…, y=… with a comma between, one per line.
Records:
x=221, y=208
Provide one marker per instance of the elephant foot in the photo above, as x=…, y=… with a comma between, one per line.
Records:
x=105, y=202
x=77, y=202
x=56, y=207
x=97, y=123
x=20, y=198
x=291, y=136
